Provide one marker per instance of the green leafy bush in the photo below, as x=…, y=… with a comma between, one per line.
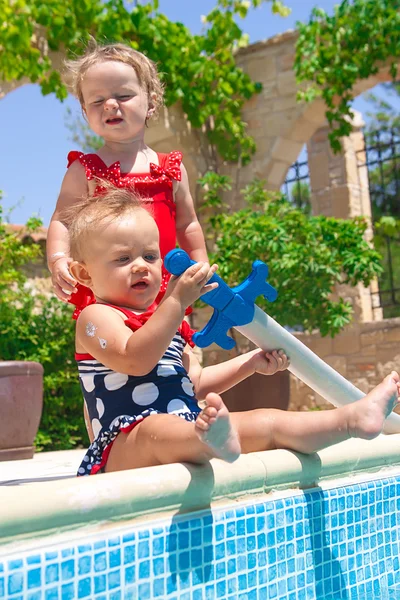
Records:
x=34, y=326
x=307, y=256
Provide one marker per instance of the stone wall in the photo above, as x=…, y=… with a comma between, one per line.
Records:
x=364, y=353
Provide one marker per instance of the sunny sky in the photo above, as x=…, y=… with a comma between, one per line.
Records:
x=35, y=140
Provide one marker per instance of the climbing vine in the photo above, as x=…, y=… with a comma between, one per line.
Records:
x=199, y=70
x=334, y=52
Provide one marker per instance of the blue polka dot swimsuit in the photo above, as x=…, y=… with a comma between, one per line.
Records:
x=117, y=402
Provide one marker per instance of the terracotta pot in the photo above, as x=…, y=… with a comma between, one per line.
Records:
x=21, y=401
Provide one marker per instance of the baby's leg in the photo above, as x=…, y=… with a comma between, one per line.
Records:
x=308, y=432
x=165, y=439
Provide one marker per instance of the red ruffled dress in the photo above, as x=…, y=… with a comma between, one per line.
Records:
x=156, y=186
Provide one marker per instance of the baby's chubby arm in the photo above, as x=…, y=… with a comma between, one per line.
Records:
x=188, y=230
x=101, y=330
x=222, y=377
x=74, y=187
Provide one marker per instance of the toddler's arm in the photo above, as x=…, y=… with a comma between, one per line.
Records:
x=222, y=377
x=188, y=230
x=101, y=330
x=74, y=188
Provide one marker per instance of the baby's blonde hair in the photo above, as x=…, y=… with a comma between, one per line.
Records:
x=92, y=214
x=145, y=69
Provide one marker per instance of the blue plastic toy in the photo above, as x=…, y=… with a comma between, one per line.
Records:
x=232, y=306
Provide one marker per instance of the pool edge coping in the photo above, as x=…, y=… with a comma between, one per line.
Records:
x=39, y=509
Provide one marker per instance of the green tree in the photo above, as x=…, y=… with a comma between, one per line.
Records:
x=199, y=70
x=300, y=196
x=384, y=115
x=334, y=52
x=382, y=138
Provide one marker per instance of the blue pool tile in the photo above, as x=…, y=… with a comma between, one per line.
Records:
x=34, y=560
x=220, y=552
x=183, y=540
x=207, y=535
x=68, y=591
x=221, y=589
x=84, y=565
x=144, y=534
x=34, y=578
x=171, y=584
x=129, y=537
x=271, y=555
x=197, y=577
x=159, y=588
x=208, y=554
x=172, y=542
x=220, y=532
x=197, y=595
x=51, y=555
x=15, y=582
x=195, y=537
x=242, y=581
x=158, y=565
x=220, y=570
x=129, y=575
x=114, y=579
x=210, y=592
x=184, y=561
x=241, y=563
x=144, y=569
x=67, y=570
x=231, y=548
x=34, y=595
x=129, y=554
x=158, y=546
x=196, y=558
x=184, y=580
x=52, y=594
x=100, y=562
x=100, y=583
x=52, y=573
x=272, y=591
x=84, y=587
x=114, y=558
x=144, y=549
x=15, y=564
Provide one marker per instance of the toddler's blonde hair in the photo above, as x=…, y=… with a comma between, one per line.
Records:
x=92, y=214
x=145, y=69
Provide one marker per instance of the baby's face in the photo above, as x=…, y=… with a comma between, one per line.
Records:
x=124, y=261
x=115, y=103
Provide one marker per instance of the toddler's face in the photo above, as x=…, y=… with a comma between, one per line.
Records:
x=124, y=261
x=115, y=104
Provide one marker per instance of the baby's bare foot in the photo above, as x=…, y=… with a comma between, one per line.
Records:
x=368, y=415
x=214, y=428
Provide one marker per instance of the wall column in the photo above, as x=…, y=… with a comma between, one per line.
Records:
x=339, y=188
